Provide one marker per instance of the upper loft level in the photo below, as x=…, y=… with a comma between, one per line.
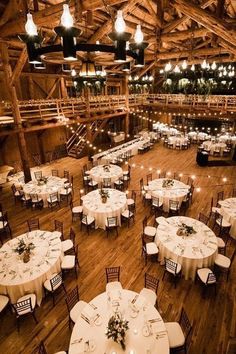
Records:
x=48, y=113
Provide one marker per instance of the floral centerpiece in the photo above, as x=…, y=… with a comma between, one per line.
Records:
x=104, y=195
x=106, y=168
x=116, y=329
x=185, y=230
x=25, y=249
x=42, y=181
x=167, y=183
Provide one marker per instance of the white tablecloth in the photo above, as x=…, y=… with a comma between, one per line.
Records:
x=115, y=205
x=192, y=252
x=228, y=210
x=18, y=278
x=176, y=192
x=209, y=145
x=175, y=140
x=54, y=184
x=227, y=139
x=198, y=136
x=100, y=172
x=137, y=339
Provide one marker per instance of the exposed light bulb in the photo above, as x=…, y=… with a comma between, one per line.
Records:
x=30, y=26
x=138, y=36
x=66, y=18
x=73, y=72
x=213, y=65
x=161, y=71
x=204, y=64
x=184, y=65
x=151, y=78
x=119, y=22
x=168, y=66
x=177, y=69
x=193, y=67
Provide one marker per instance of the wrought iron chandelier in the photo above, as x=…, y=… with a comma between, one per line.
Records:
x=69, y=46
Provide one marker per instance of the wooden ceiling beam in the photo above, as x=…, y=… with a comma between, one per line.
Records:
x=19, y=66
x=183, y=35
x=194, y=53
x=207, y=20
x=107, y=26
x=175, y=23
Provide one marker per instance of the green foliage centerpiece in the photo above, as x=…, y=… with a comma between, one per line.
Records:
x=24, y=249
x=104, y=195
x=106, y=168
x=42, y=181
x=116, y=329
x=185, y=230
x=167, y=183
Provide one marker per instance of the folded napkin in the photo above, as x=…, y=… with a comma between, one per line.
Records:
x=140, y=301
x=115, y=295
x=88, y=312
x=158, y=326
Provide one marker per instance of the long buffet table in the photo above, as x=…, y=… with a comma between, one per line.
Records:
x=110, y=154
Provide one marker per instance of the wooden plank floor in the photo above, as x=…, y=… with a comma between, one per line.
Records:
x=214, y=318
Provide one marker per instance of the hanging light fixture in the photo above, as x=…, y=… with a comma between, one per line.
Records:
x=66, y=68
x=68, y=34
x=184, y=65
x=126, y=67
x=88, y=69
x=168, y=67
x=204, y=64
x=73, y=72
x=213, y=65
x=40, y=66
x=138, y=36
x=177, y=69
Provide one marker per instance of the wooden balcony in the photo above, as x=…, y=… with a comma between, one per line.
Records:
x=44, y=114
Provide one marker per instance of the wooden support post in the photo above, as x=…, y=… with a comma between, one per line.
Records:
x=87, y=96
x=41, y=149
x=126, y=91
x=63, y=88
x=31, y=87
x=16, y=113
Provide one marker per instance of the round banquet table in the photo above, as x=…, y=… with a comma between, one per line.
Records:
x=228, y=211
x=209, y=145
x=54, y=185
x=115, y=205
x=175, y=140
x=176, y=192
x=138, y=339
x=195, y=251
x=100, y=172
x=18, y=278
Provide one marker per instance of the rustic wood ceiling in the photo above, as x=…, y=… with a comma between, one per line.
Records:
x=175, y=29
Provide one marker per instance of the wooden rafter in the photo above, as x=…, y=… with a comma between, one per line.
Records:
x=19, y=66
x=207, y=20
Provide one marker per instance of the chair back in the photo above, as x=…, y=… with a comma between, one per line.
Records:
x=170, y=265
x=53, y=197
x=176, y=176
x=149, y=177
x=151, y=282
x=203, y=218
x=66, y=174
x=38, y=175
x=56, y=280
x=4, y=217
x=112, y=221
x=34, y=197
x=84, y=219
x=58, y=226
x=211, y=279
x=173, y=204
x=133, y=195
x=41, y=349
x=23, y=307
x=33, y=224
x=106, y=182
x=13, y=188
x=155, y=201
x=234, y=193
x=163, y=174
x=185, y=323
x=72, y=235
x=141, y=184
x=72, y=298
x=144, y=223
x=220, y=196
x=55, y=173
x=219, y=217
x=112, y=274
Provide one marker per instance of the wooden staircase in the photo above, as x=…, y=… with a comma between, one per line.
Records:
x=76, y=144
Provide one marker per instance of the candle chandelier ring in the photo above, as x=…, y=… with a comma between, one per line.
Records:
x=69, y=46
